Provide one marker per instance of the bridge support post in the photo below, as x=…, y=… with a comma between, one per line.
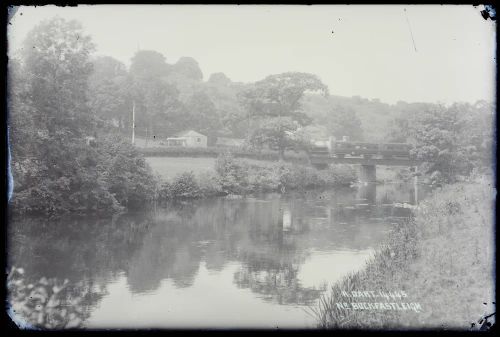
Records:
x=368, y=174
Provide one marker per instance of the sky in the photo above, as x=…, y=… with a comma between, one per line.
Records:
x=429, y=53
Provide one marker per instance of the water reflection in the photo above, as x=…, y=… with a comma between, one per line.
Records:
x=263, y=244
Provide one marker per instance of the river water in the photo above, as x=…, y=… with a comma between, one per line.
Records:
x=258, y=261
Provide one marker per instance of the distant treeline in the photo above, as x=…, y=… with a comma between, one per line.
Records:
x=68, y=113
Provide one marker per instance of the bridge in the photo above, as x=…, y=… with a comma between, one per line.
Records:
x=368, y=172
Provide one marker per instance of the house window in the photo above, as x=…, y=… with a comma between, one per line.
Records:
x=198, y=139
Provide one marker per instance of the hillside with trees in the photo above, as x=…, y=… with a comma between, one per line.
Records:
x=63, y=100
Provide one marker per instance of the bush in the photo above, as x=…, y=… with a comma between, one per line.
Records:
x=129, y=177
x=74, y=177
x=238, y=176
x=232, y=174
x=184, y=186
x=343, y=175
x=187, y=186
x=209, y=184
x=263, y=178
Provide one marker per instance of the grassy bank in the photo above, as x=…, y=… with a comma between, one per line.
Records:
x=168, y=168
x=240, y=176
x=213, y=152
x=442, y=259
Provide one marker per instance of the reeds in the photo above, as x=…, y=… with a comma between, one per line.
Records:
x=442, y=257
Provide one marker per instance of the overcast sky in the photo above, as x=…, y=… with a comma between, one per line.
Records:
x=356, y=50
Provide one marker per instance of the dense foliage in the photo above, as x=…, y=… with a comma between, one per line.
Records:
x=63, y=158
x=274, y=105
x=238, y=177
x=450, y=142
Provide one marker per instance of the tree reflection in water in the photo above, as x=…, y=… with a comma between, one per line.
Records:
x=58, y=276
x=68, y=262
x=271, y=258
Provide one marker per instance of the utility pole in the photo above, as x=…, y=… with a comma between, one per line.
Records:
x=133, y=122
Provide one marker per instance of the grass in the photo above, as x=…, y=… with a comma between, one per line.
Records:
x=443, y=258
x=213, y=152
x=168, y=168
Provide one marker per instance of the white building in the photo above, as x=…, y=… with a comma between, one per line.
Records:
x=189, y=138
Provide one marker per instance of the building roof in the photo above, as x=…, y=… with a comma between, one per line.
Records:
x=188, y=133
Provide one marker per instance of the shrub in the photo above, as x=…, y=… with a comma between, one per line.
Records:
x=108, y=176
x=342, y=175
x=237, y=176
x=185, y=186
x=209, y=184
x=263, y=179
x=232, y=174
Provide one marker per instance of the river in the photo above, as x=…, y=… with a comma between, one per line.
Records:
x=251, y=262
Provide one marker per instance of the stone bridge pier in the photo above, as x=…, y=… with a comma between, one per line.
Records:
x=368, y=174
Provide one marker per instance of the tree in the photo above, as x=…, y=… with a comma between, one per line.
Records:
x=56, y=62
x=187, y=77
x=219, y=79
x=188, y=68
x=224, y=95
x=450, y=141
x=148, y=64
x=203, y=115
x=275, y=103
x=158, y=108
x=58, y=170
x=109, y=97
x=344, y=122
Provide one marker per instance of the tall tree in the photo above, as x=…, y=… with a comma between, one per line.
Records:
x=188, y=68
x=155, y=98
x=56, y=61
x=109, y=98
x=343, y=121
x=203, y=115
x=61, y=170
x=149, y=64
x=275, y=103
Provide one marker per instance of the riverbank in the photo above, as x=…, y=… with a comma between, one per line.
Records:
x=442, y=259
x=235, y=176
